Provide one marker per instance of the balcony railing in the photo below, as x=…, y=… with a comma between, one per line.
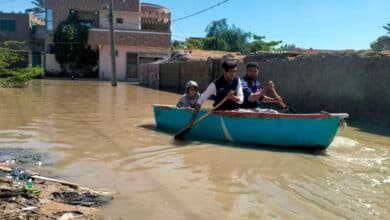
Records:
x=136, y=38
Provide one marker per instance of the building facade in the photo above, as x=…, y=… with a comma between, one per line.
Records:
x=141, y=32
x=24, y=27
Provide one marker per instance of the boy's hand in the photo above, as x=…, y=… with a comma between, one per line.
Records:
x=268, y=86
x=278, y=99
x=231, y=96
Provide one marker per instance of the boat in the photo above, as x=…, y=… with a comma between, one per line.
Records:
x=304, y=131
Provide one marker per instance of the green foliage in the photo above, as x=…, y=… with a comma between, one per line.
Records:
x=177, y=44
x=224, y=37
x=217, y=28
x=288, y=47
x=194, y=43
x=11, y=53
x=20, y=77
x=70, y=46
x=258, y=44
x=215, y=43
x=382, y=43
x=38, y=9
x=221, y=36
x=387, y=28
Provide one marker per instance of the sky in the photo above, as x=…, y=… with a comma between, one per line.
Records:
x=319, y=24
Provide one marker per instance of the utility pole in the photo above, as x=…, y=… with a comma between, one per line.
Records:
x=112, y=43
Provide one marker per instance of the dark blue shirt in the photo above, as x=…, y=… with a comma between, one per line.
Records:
x=250, y=86
x=223, y=87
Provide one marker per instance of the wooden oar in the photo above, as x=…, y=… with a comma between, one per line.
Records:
x=281, y=103
x=180, y=135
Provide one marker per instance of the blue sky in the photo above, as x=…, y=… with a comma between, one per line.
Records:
x=322, y=24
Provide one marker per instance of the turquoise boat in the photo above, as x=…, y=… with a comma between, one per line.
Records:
x=305, y=131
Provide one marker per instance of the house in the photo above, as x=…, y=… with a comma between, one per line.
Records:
x=26, y=28
x=141, y=32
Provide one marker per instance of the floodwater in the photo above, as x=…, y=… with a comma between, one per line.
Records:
x=104, y=138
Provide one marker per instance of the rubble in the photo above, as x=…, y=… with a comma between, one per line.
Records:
x=26, y=195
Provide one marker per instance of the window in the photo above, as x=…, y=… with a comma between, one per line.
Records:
x=87, y=24
x=49, y=18
x=119, y=20
x=7, y=25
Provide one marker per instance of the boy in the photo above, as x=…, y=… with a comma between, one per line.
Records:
x=189, y=99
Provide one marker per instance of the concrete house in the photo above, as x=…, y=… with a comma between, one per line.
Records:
x=26, y=28
x=141, y=32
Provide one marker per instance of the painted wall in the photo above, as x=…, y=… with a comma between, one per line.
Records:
x=61, y=8
x=22, y=27
x=121, y=59
x=131, y=20
x=51, y=64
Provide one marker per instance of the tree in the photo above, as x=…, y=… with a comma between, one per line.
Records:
x=177, y=44
x=221, y=36
x=288, y=47
x=215, y=43
x=38, y=9
x=11, y=53
x=237, y=39
x=258, y=44
x=194, y=43
x=382, y=43
x=387, y=28
x=216, y=28
x=70, y=46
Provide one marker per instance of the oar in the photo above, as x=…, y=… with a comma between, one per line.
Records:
x=180, y=135
x=281, y=103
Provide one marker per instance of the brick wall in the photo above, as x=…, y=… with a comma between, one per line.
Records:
x=61, y=8
x=155, y=18
x=22, y=32
x=170, y=77
x=134, y=38
x=198, y=70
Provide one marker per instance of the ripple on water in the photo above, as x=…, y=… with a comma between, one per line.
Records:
x=343, y=142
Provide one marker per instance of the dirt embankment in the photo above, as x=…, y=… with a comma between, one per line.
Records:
x=24, y=194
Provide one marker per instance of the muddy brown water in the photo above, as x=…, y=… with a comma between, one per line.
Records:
x=103, y=137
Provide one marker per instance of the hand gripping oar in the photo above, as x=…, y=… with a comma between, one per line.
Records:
x=180, y=135
x=285, y=107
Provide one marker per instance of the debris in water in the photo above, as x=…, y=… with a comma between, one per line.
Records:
x=84, y=199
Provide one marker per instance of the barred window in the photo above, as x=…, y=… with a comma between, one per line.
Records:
x=7, y=25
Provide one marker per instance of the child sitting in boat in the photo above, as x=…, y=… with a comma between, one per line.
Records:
x=189, y=99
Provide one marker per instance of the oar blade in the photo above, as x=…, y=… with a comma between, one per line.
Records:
x=181, y=134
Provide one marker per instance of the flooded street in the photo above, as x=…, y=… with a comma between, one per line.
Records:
x=104, y=138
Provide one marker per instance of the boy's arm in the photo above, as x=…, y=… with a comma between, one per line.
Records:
x=239, y=93
x=182, y=102
x=211, y=90
x=239, y=97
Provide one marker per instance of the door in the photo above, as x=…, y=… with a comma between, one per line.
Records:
x=36, y=60
x=132, y=65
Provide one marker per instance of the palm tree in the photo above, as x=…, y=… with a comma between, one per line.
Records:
x=38, y=9
x=387, y=27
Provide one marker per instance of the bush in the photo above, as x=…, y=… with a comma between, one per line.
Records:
x=19, y=78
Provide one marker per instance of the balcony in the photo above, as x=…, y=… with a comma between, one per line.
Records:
x=135, y=38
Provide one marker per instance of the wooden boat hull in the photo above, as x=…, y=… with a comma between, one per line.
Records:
x=307, y=131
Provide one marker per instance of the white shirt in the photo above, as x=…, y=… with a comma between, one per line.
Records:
x=212, y=90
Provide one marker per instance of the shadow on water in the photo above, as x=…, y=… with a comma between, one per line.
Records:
x=371, y=127
x=191, y=142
